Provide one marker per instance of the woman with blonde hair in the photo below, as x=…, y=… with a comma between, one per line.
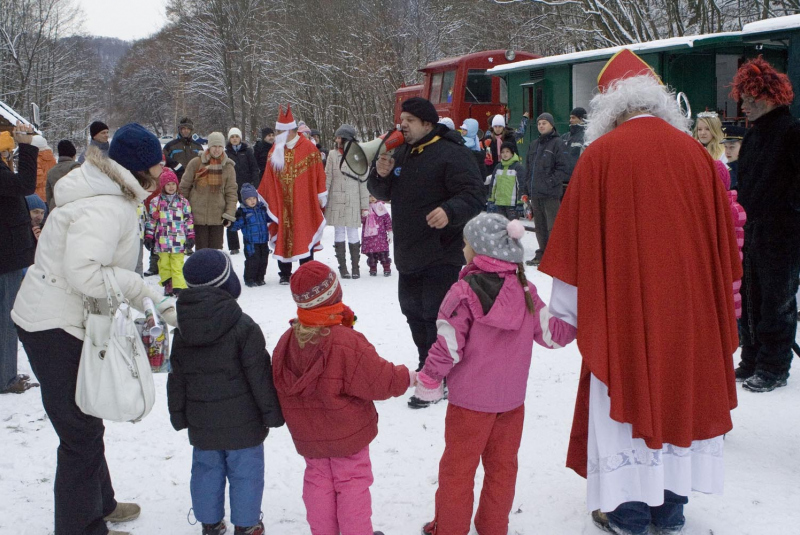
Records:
x=708, y=131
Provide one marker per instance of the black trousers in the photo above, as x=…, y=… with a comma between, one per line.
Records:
x=421, y=294
x=769, y=304
x=255, y=265
x=233, y=239
x=83, y=491
x=285, y=268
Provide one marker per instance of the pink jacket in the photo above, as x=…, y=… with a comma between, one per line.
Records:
x=484, y=343
x=739, y=219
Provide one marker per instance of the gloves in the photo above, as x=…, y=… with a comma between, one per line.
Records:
x=389, y=236
x=166, y=309
x=412, y=378
x=189, y=243
x=488, y=180
x=428, y=389
x=525, y=198
x=148, y=244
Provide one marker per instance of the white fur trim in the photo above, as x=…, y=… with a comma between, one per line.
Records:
x=286, y=126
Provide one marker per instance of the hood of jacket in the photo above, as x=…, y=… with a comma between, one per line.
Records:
x=310, y=362
x=511, y=161
x=206, y=314
x=46, y=155
x=99, y=175
x=507, y=310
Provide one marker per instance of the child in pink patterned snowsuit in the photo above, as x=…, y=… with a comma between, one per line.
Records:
x=376, y=234
x=739, y=219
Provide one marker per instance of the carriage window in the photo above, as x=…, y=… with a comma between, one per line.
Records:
x=479, y=87
x=448, y=80
x=436, y=87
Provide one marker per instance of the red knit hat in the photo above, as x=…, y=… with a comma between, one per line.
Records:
x=167, y=176
x=314, y=285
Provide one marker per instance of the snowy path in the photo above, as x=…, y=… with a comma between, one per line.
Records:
x=150, y=463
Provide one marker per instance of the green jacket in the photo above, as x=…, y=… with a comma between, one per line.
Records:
x=506, y=190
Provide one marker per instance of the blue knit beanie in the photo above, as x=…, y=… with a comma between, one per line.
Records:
x=35, y=203
x=135, y=148
x=248, y=190
x=211, y=268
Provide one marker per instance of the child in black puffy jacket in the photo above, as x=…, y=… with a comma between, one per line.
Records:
x=221, y=389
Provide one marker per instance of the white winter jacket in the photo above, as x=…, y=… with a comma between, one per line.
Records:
x=93, y=225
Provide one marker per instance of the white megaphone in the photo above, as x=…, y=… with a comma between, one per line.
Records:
x=360, y=156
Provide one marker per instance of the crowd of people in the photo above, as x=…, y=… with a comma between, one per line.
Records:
x=643, y=439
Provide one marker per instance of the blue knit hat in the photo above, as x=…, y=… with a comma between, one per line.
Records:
x=135, y=148
x=35, y=203
x=211, y=268
x=248, y=190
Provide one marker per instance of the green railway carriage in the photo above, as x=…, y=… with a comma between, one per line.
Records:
x=701, y=66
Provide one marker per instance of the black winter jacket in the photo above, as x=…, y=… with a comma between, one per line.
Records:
x=546, y=167
x=220, y=386
x=574, y=141
x=17, y=244
x=261, y=150
x=246, y=165
x=769, y=170
x=426, y=176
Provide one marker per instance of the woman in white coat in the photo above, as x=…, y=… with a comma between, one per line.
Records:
x=94, y=225
x=348, y=202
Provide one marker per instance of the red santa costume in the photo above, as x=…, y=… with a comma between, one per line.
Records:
x=651, y=297
x=294, y=188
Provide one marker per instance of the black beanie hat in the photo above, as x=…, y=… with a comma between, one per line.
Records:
x=422, y=109
x=66, y=148
x=211, y=268
x=510, y=145
x=579, y=112
x=97, y=127
x=266, y=131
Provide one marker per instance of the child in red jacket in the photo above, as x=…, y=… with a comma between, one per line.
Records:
x=327, y=375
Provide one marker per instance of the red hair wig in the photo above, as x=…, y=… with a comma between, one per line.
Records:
x=758, y=79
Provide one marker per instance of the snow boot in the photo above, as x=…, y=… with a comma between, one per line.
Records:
x=113, y=532
x=765, y=383
x=215, y=529
x=743, y=374
x=167, y=287
x=124, y=512
x=341, y=257
x=153, y=269
x=258, y=529
x=355, y=257
x=601, y=521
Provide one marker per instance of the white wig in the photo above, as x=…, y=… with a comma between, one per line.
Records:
x=636, y=94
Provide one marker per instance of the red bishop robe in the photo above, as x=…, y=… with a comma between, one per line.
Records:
x=645, y=234
x=292, y=197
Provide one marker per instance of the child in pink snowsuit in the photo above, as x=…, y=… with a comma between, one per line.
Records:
x=376, y=235
x=739, y=219
x=487, y=325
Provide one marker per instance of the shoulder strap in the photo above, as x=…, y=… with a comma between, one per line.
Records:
x=112, y=288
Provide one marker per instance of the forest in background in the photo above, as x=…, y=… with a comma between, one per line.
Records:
x=233, y=62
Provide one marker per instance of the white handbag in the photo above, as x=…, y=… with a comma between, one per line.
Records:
x=114, y=378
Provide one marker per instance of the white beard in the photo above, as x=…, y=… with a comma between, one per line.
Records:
x=278, y=157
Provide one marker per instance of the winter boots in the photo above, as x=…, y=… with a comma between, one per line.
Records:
x=341, y=257
x=124, y=512
x=215, y=529
x=252, y=530
x=355, y=256
x=761, y=382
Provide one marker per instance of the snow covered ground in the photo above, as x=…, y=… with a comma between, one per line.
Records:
x=150, y=462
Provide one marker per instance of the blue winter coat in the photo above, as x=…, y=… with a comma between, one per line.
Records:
x=253, y=224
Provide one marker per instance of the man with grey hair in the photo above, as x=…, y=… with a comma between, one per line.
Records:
x=348, y=202
x=652, y=267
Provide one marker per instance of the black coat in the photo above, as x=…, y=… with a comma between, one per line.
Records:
x=220, y=387
x=17, y=244
x=546, y=167
x=246, y=165
x=261, y=150
x=443, y=174
x=574, y=142
x=769, y=170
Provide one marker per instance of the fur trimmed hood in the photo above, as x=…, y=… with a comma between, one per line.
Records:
x=99, y=175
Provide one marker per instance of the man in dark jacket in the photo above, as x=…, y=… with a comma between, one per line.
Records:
x=221, y=390
x=262, y=147
x=769, y=191
x=246, y=172
x=66, y=163
x=182, y=150
x=574, y=139
x=17, y=246
x=546, y=169
x=434, y=186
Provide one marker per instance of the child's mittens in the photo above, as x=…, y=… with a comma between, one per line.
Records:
x=189, y=243
x=389, y=236
x=412, y=378
x=427, y=388
x=148, y=244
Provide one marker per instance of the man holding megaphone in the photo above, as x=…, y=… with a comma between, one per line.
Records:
x=435, y=187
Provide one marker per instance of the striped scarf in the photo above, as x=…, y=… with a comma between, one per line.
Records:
x=210, y=174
